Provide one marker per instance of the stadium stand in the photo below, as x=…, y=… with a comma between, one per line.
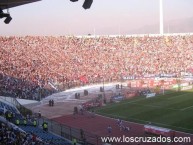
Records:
x=33, y=67
x=24, y=134
x=45, y=136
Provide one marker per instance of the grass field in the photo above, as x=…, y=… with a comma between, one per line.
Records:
x=173, y=110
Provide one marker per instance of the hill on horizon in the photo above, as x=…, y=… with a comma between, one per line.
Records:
x=173, y=26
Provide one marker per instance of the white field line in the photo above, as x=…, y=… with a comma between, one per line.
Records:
x=133, y=102
x=111, y=106
x=146, y=121
x=177, y=96
x=140, y=99
x=186, y=108
x=157, y=106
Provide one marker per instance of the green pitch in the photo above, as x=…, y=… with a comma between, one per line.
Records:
x=173, y=110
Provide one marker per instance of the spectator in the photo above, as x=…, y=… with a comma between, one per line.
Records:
x=48, y=62
x=45, y=126
x=17, y=122
x=74, y=142
x=34, y=122
x=93, y=113
x=39, y=114
x=52, y=102
x=82, y=134
x=24, y=122
x=109, y=129
x=12, y=136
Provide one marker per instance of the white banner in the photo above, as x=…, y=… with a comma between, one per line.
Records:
x=186, y=88
x=150, y=95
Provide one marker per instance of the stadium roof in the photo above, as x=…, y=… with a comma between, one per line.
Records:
x=5, y=4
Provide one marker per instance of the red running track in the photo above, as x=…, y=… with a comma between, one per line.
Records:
x=98, y=125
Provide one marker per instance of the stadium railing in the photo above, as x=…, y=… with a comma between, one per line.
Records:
x=69, y=132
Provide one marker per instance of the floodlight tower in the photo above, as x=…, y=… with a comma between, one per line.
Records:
x=161, y=25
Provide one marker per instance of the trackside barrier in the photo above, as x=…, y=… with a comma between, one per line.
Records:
x=150, y=95
x=71, y=132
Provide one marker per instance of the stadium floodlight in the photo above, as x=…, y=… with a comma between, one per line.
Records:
x=87, y=4
x=3, y=15
x=8, y=19
x=73, y=0
x=7, y=16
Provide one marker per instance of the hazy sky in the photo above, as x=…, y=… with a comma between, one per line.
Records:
x=61, y=17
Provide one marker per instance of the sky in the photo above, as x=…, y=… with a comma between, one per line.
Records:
x=110, y=17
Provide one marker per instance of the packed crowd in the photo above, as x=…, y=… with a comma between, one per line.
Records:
x=10, y=136
x=28, y=64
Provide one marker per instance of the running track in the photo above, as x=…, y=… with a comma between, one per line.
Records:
x=97, y=126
